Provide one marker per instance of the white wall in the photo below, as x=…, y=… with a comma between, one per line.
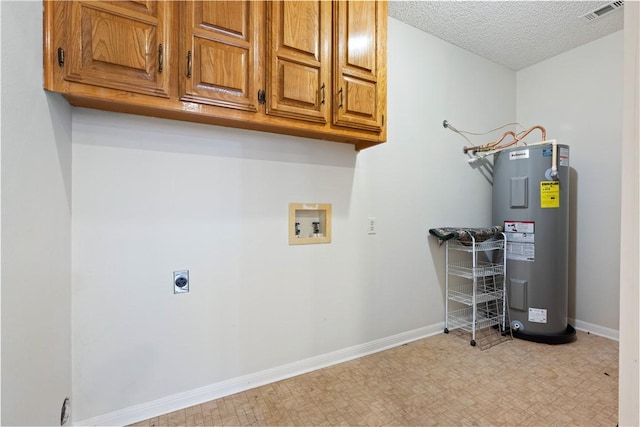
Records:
x=151, y=196
x=36, y=224
x=577, y=97
x=0, y=214
x=629, y=387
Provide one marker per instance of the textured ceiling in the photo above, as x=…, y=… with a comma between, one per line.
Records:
x=516, y=34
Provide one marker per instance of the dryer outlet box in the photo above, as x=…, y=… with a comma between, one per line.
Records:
x=180, y=281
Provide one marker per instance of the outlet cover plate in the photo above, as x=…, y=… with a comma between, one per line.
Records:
x=181, y=281
x=372, y=226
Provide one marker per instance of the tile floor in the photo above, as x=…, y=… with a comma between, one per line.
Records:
x=437, y=381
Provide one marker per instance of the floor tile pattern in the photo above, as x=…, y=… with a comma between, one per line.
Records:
x=436, y=381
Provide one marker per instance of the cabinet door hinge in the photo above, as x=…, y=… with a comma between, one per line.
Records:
x=383, y=120
x=262, y=97
x=60, y=57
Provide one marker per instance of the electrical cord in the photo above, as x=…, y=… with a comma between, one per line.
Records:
x=498, y=144
x=486, y=147
x=495, y=145
x=448, y=125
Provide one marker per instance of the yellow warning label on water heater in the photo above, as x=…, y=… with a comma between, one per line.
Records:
x=549, y=194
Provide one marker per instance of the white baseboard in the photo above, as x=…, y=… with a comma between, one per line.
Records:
x=200, y=395
x=612, y=334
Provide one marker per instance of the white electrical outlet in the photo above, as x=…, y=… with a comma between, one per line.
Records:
x=372, y=225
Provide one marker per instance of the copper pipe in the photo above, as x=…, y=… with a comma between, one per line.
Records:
x=516, y=138
x=504, y=135
x=531, y=129
x=490, y=145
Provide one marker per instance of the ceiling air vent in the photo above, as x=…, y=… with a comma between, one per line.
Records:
x=595, y=14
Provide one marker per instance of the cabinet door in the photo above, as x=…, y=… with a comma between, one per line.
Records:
x=220, y=55
x=360, y=64
x=298, y=61
x=120, y=45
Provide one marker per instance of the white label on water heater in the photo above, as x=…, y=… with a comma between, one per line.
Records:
x=519, y=154
x=538, y=315
x=519, y=227
x=520, y=240
x=521, y=251
x=563, y=157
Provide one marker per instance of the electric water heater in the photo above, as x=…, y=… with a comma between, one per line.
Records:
x=531, y=201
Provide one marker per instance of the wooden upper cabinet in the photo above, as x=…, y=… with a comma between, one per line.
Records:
x=309, y=68
x=220, y=53
x=360, y=64
x=298, y=59
x=120, y=45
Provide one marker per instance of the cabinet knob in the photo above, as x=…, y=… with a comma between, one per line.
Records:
x=341, y=100
x=322, y=88
x=189, y=61
x=60, y=57
x=160, y=58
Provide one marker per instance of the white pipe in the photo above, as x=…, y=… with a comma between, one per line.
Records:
x=554, y=160
x=554, y=156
